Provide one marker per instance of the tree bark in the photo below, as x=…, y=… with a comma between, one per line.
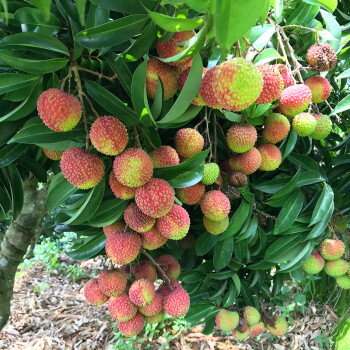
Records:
x=16, y=241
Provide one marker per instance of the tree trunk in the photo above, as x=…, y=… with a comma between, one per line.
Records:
x=16, y=241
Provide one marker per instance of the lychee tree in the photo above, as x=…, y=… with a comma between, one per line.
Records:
x=201, y=146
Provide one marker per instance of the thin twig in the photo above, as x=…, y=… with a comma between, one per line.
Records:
x=147, y=137
x=302, y=27
x=100, y=75
x=330, y=107
x=215, y=139
x=137, y=138
x=68, y=76
x=239, y=48
x=91, y=105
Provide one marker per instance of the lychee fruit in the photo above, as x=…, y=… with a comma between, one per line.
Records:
x=155, y=198
x=304, y=124
x=238, y=179
x=191, y=195
x=142, y=292
x=175, y=224
x=118, y=226
x=120, y=191
x=132, y=327
x=295, y=99
x=336, y=268
x=257, y=329
x=272, y=85
x=215, y=205
x=176, y=303
x=216, y=227
x=109, y=135
x=227, y=320
x=121, y=308
x=211, y=173
x=123, y=247
x=248, y=162
x=286, y=75
x=53, y=155
x=144, y=270
x=155, y=318
x=241, y=138
x=154, y=307
x=137, y=220
x=58, y=110
x=320, y=88
x=332, y=249
x=241, y=336
x=158, y=69
x=323, y=127
x=321, y=57
x=81, y=168
x=271, y=157
x=188, y=142
x=343, y=281
x=93, y=293
x=164, y=156
x=314, y=264
x=133, y=168
x=170, y=266
x=276, y=128
x=251, y=315
x=231, y=192
x=206, y=89
x=279, y=327
x=112, y=282
x=152, y=239
x=166, y=289
x=237, y=84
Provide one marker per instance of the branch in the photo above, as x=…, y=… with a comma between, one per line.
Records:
x=306, y=28
x=68, y=76
x=330, y=107
x=100, y=75
x=91, y=105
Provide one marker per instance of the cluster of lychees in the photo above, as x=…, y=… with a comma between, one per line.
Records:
x=331, y=250
x=250, y=323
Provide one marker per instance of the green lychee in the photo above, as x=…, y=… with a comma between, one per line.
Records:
x=314, y=264
x=278, y=327
x=343, y=281
x=336, y=268
x=332, y=249
x=323, y=127
x=251, y=315
x=216, y=227
x=211, y=173
x=304, y=124
x=227, y=320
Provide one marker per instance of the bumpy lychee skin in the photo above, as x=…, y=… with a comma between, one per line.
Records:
x=286, y=75
x=237, y=84
x=155, y=318
x=109, y=135
x=248, y=162
x=155, y=198
x=164, y=156
x=53, y=155
x=118, y=226
x=227, y=320
x=188, y=142
x=132, y=327
x=320, y=88
x=144, y=270
x=321, y=57
x=241, y=336
x=251, y=315
x=272, y=86
x=177, y=303
x=336, y=268
x=295, y=99
x=152, y=239
x=241, y=138
x=93, y=293
x=206, y=89
x=211, y=173
x=271, y=157
x=279, y=327
x=170, y=266
x=216, y=227
x=323, y=127
x=304, y=124
x=112, y=282
x=120, y=191
x=165, y=290
x=81, y=168
x=121, y=308
x=314, y=264
x=170, y=48
x=343, y=281
x=276, y=128
x=215, y=205
x=133, y=168
x=155, y=69
x=175, y=224
x=123, y=247
x=58, y=110
x=142, y=292
x=332, y=249
x=154, y=307
x=257, y=329
x=137, y=220
x=191, y=195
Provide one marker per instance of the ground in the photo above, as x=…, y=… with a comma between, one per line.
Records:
x=49, y=312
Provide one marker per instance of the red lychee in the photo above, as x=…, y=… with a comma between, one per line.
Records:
x=137, y=220
x=132, y=327
x=191, y=195
x=164, y=156
x=93, y=293
x=320, y=88
x=152, y=239
x=188, y=142
x=206, y=89
x=295, y=99
x=142, y=292
x=248, y=162
x=118, y=226
x=144, y=270
x=322, y=57
x=120, y=191
x=154, y=307
x=121, y=308
x=215, y=205
x=170, y=266
x=112, y=282
x=51, y=154
x=276, y=128
x=176, y=303
x=271, y=157
x=241, y=138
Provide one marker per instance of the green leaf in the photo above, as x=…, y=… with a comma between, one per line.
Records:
x=304, y=162
x=14, y=81
x=342, y=106
x=302, y=252
x=16, y=187
x=59, y=190
x=239, y=16
x=223, y=253
x=81, y=10
x=175, y=24
x=288, y=188
x=89, y=249
x=289, y=212
x=130, y=6
x=250, y=231
x=198, y=312
x=320, y=227
x=187, y=179
x=44, y=6
x=204, y=243
x=32, y=66
x=267, y=56
x=323, y=204
x=10, y=153
x=191, y=112
x=278, y=9
x=345, y=74
x=34, y=167
x=112, y=33
x=329, y=5
x=233, y=117
x=333, y=26
x=230, y=296
x=292, y=140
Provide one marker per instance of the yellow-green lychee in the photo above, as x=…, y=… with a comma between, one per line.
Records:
x=257, y=329
x=304, y=124
x=188, y=142
x=164, y=156
x=211, y=173
x=314, y=264
x=215, y=205
x=227, y=320
x=336, y=268
x=241, y=138
x=142, y=292
x=343, y=281
x=278, y=327
x=241, y=336
x=53, y=155
x=276, y=128
x=251, y=315
x=323, y=127
x=271, y=157
x=216, y=227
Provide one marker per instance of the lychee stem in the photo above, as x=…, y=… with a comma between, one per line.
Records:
x=68, y=76
x=137, y=138
x=315, y=31
x=100, y=75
